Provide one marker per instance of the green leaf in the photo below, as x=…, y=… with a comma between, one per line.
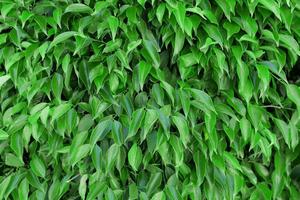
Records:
x=60, y=110
x=61, y=38
x=100, y=131
x=78, y=8
x=3, y=135
x=4, y=185
x=150, y=118
x=4, y=79
x=293, y=93
x=169, y=90
x=245, y=127
x=81, y=152
x=133, y=191
x=264, y=75
x=179, y=12
x=3, y=38
x=201, y=166
x=293, y=134
x=159, y=196
x=284, y=129
x=214, y=33
x=135, y=156
x=112, y=154
x=113, y=23
x=117, y=133
x=12, y=160
x=272, y=6
x=232, y=161
x=57, y=85
x=83, y=186
x=38, y=166
x=231, y=29
x=277, y=183
x=100, y=5
x=6, y=9
x=225, y=7
x=23, y=189
x=290, y=43
x=164, y=120
x=136, y=122
x=152, y=52
x=203, y=98
x=182, y=127
x=179, y=42
x=185, y=101
x=16, y=143
x=144, y=70
x=95, y=189
x=154, y=183
x=160, y=12
x=142, y=2
x=112, y=46
x=57, y=14
x=133, y=45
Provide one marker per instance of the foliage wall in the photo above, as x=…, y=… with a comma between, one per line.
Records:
x=149, y=99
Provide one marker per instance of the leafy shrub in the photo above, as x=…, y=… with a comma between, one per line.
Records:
x=149, y=99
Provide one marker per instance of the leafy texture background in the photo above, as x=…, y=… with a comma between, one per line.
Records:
x=149, y=99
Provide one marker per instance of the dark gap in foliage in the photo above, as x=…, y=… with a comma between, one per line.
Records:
x=107, y=38
x=294, y=74
x=6, y=30
x=26, y=158
x=173, y=130
x=247, y=153
x=270, y=109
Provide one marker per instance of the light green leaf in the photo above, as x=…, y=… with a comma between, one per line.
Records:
x=78, y=8
x=183, y=128
x=12, y=160
x=3, y=135
x=179, y=41
x=264, y=75
x=154, y=183
x=144, y=70
x=4, y=79
x=203, y=98
x=150, y=118
x=245, y=127
x=272, y=6
x=81, y=152
x=100, y=131
x=135, y=156
x=113, y=23
x=136, y=122
x=60, y=110
x=57, y=85
x=23, y=189
x=38, y=166
x=149, y=46
x=179, y=12
x=232, y=160
x=83, y=186
x=61, y=38
x=284, y=129
x=160, y=12
x=133, y=45
x=293, y=93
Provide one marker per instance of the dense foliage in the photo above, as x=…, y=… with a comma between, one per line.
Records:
x=149, y=99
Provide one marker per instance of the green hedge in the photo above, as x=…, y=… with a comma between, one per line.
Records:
x=149, y=99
